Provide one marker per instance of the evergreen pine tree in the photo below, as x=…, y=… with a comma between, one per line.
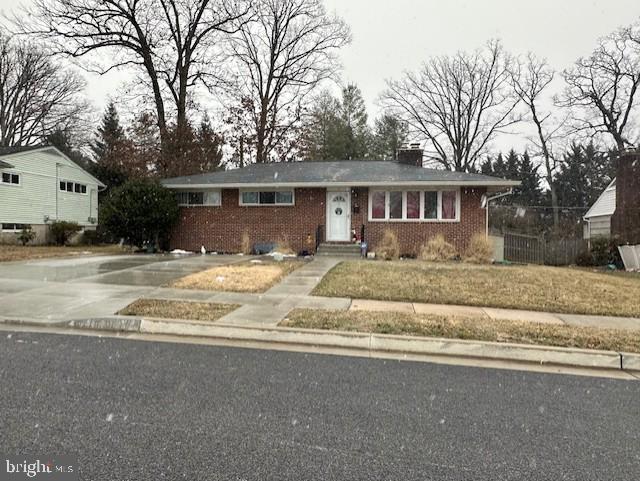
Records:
x=486, y=167
x=210, y=146
x=499, y=166
x=512, y=165
x=323, y=136
x=108, y=151
x=389, y=134
x=529, y=193
x=108, y=134
x=353, y=114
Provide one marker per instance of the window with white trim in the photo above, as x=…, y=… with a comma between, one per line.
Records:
x=198, y=198
x=266, y=197
x=414, y=205
x=73, y=187
x=12, y=227
x=10, y=178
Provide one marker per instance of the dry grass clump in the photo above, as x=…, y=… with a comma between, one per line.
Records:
x=196, y=311
x=245, y=246
x=20, y=253
x=388, y=248
x=437, y=249
x=461, y=327
x=479, y=251
x=535, y=288
x=283, y=246
x=243, y=277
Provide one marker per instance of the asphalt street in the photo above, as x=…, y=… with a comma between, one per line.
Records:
x=136, y=410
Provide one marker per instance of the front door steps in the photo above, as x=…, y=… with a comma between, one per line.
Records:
x=338, y=250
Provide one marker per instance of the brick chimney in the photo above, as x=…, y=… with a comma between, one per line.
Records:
x=410, y=154
x=625, y=222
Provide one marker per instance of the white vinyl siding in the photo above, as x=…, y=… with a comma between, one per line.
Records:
x=605, y=205
x=599, y=227
x=38, y=195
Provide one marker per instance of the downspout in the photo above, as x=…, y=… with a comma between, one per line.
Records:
x=487, y=201
x=57, y=187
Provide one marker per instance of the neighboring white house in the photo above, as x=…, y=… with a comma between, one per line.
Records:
x=39, y=185
x=598, y=218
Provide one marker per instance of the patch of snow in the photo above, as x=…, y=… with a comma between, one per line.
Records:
x=180, y=251
x=276, y=254
x=109, y=417
x=256, y=261
x=220, y=279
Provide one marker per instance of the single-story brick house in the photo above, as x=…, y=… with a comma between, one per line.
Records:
x=310, y=203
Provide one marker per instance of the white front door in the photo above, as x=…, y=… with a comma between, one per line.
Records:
x=339, y=216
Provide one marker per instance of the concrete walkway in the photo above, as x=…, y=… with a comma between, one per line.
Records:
x=293, y=291
x=85, y=287
x=96, y=287
x=497, y=314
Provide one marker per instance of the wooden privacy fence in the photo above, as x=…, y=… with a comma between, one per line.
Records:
x=538, y=250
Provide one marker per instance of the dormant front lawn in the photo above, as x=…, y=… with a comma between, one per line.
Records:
x=243, y=277
x=470, y=328
x=195, y=311
x=536, y=288
x=22, y=253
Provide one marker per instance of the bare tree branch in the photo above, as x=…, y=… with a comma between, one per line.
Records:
x=37, y=96
x=457, y=104
x=175, y=43
x=531, y=78
x=602, y=89
x=281, y=56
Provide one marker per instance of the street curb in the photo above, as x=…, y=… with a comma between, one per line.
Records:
x=372, y=344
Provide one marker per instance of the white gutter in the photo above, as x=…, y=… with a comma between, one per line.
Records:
x=487, y=200
x=272, y=185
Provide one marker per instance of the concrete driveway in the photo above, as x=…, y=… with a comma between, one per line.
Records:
x=72, y=288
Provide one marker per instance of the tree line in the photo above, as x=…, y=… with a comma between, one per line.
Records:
x=268, y=63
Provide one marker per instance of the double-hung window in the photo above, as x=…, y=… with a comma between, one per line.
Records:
x=10, y=178
x=198, y=198
x=266, y=197
x=13, y=227
x=73, y=187
x=414, y=205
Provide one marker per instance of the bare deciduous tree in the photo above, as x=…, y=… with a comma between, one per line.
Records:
x=531, y=77
x=173, y=43
x=458, y=104
x=281, y=56
x=602, y=88
x=37, y=96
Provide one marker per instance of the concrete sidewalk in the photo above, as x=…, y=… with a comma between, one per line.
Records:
x=610, y=322
x=293, y=291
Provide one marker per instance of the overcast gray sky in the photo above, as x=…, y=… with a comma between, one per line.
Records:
x=390, y=36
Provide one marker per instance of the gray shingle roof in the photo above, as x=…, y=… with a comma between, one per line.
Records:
x=17, y=150
x=345, y=172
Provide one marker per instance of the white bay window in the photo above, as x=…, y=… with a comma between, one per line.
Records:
x=414, y=205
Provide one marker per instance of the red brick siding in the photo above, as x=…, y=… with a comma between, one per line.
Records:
x=625, y=222
x=412, y=235
x=221, y=228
